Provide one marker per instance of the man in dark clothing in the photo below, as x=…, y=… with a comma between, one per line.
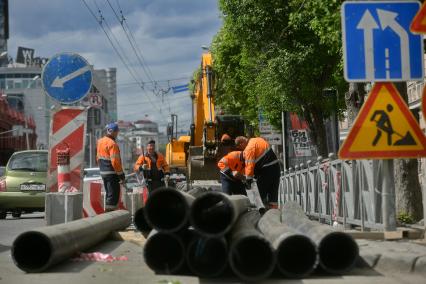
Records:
x=154, y=167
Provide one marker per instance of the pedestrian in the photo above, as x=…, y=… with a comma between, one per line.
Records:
x=261, y=163
x=109, y=161
x=153, y=166
x=232, y=173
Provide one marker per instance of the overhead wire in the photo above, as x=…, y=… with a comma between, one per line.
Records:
x=126, y=65
x=135, y=48
x=132, y=36
x=132, y=44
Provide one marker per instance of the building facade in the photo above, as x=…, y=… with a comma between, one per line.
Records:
x=12, y=136
x=23, y=90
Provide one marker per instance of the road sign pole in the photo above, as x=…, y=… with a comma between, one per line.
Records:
x=283, y=141
x=388, y=196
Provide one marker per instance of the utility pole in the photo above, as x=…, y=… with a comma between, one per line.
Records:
x=27, y=139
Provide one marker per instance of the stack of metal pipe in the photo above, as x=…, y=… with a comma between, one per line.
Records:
x=211, y=231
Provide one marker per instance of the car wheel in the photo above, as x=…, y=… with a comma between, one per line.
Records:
x=16, y=214
x=3, y=214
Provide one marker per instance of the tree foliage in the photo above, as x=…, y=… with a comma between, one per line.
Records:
x=277, y=55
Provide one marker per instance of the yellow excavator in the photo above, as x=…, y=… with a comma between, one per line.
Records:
x=198, y=153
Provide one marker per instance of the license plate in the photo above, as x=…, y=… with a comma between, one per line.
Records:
x=33, y=187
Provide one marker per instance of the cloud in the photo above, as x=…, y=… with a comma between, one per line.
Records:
x=168, y=32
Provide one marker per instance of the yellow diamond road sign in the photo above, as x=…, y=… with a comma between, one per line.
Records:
x=384, y=129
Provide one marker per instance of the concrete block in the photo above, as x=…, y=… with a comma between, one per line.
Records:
x=393, y=262
x=63, y=207
x=420, y=266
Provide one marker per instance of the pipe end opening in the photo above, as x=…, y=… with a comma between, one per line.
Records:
x=166, y=210
x=140, y=221
x=207, y=257
x=212, y=214
x=252, y=258
x=164, y=253
x=297, y=256
x=31, y=251
x=338, y=252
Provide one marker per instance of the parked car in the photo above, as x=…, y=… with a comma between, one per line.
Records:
x=23, y=186
x=2, y=170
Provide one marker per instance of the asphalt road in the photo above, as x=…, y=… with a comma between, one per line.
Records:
x=10, y=228
x=135, y=269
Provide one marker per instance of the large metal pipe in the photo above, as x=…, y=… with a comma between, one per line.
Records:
x=197, y=191
x=140, y=221
x=164, y=252
x=207, y=257
x=167, y=209
x=338, y=251
x=214, y=213
x=297, y=254
x=38, y=249
x=251, y=255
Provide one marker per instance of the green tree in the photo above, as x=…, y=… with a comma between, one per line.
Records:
x=280, y=56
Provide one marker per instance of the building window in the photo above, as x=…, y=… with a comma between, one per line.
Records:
x=25, y=84
x=18, y=84
x=9, y=84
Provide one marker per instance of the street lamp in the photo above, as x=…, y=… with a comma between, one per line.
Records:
x=205, y=47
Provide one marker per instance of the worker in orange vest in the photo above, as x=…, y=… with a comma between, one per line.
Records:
x=232, y=172
x=154, y=167
x=109, y=161
x=261, y=163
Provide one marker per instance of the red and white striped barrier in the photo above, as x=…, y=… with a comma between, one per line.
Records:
x=94, y=198
x=336, y=205
x=68, y=127
x=64, y=177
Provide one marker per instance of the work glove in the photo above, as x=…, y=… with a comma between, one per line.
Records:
x=166, y=178
x=237, y=175
x=143, y=167
x=122, y=178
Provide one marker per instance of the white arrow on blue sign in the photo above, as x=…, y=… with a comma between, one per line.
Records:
x=67, y=77
x=377, y=42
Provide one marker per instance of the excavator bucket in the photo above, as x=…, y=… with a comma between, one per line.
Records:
x=199, y=167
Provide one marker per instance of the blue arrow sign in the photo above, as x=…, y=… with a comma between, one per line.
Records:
x=377, y=42
x=67, y=77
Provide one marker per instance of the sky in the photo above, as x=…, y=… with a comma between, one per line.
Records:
x=169, y=34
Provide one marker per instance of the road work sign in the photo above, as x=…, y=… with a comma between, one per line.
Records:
x=384, y=129
x=377, y=41
x=67, y=77
x=419, y=23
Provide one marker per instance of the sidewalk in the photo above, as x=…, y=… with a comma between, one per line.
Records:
x=394, y=257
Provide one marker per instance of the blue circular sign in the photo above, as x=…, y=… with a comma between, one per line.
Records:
x=67, y=77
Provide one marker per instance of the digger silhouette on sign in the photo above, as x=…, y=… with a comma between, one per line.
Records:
x=384, y=124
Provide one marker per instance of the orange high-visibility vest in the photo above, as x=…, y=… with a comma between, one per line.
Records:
x=258, y=154
x=161, y=163
x=108, y=157
x=231, y=162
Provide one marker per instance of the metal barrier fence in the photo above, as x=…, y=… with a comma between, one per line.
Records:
x=332, y=190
